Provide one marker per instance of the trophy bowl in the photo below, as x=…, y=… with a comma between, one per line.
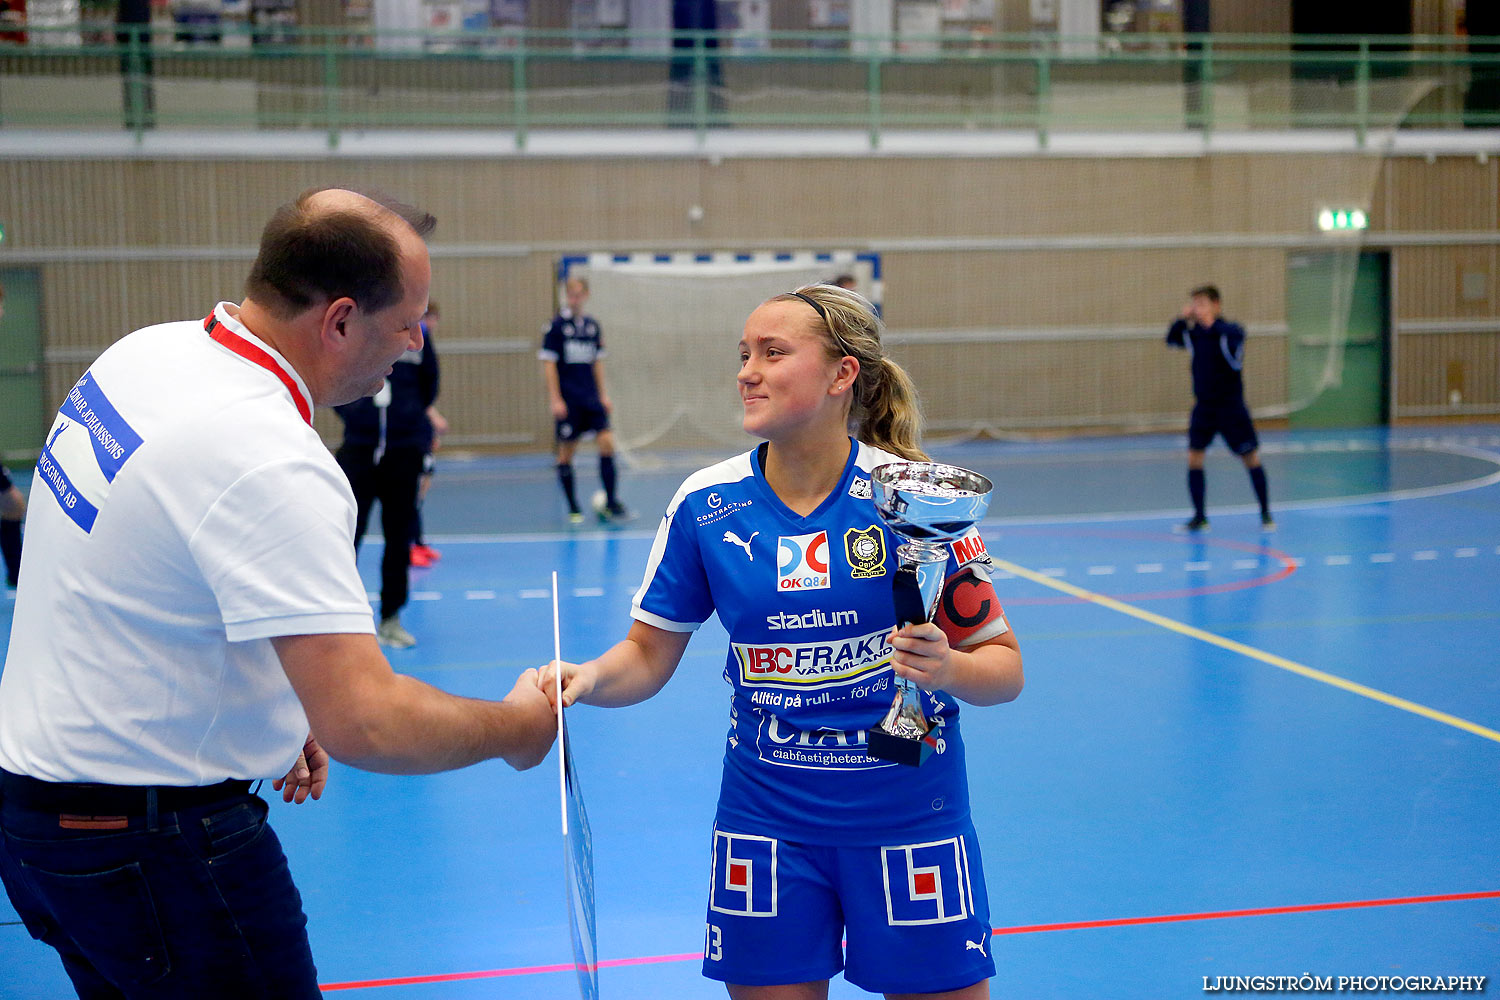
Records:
x=928, y=502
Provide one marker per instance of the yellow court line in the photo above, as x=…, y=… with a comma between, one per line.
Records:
x=1250, y=651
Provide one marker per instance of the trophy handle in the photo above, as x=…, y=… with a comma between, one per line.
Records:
x=906, y=593
x=917, y=584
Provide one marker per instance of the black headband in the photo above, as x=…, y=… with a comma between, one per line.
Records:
x=816, y=307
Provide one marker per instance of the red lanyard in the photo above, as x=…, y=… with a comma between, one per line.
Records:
x=255, y=355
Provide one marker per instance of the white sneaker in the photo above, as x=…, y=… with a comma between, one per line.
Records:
x=390, y=633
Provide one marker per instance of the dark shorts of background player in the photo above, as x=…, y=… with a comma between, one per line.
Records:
x=1232, y=420
x=582, y=419
x=5, y=482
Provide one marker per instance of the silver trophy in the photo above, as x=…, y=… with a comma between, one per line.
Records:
x=929, y=505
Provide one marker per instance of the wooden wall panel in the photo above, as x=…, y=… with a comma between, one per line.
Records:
x=1453, y=193
x=1076, y=288
x=1432, y=365
x=504, y=222
x=1443, y=282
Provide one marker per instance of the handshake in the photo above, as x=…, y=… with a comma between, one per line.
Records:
x=532, y=706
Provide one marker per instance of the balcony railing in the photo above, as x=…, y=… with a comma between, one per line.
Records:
x=150, y=78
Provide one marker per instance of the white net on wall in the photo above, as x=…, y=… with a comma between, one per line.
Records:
x=671, y=325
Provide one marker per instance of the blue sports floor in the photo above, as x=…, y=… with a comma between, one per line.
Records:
x=1236, y=755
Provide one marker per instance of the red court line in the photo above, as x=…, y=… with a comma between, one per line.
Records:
x=1170, y=918
x=525, y=970
x=1266, y=911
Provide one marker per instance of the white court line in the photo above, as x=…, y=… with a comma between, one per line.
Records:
x=1383, y=557
x=1197, y=567
x=1389, y=496
x=534, y=595
x=1337, y=561
x=426, y=595
x=1465, y=553
x=1425, y=555
x=588, y=592
x=479, y=595
x=1149, y=568
x=1101, y=571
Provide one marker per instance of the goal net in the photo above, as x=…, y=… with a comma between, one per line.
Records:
x=671, y=323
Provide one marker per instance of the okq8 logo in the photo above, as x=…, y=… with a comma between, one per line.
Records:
x=802, y=562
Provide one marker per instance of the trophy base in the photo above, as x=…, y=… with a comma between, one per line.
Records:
x=899, y=749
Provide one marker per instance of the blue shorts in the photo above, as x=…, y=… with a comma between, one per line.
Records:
x=916, y=916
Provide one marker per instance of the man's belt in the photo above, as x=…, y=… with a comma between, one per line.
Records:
x=86, y=798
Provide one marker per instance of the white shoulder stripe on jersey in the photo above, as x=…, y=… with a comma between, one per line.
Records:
x=870, y=457
x=731, y=470
x=665, y=624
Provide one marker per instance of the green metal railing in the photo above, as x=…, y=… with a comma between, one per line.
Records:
x=154, y=77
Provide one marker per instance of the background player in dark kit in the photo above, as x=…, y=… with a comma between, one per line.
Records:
x=572, y=357
x=387, y=439
x=1218, y=357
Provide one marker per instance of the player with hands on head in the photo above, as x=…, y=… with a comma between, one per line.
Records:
x=785, y=545
x=1217, y=347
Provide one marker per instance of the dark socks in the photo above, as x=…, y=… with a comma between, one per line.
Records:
x=1258, y=480
x=607, y=474
x=1196, y=490
x=10, y=546
x=565, y=477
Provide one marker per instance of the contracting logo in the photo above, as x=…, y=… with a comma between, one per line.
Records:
x=718, y=509
x=802, y=562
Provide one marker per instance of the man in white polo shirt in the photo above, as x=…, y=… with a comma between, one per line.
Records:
x=191, y=620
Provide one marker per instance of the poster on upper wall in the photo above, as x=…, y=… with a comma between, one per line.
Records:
x=508, y=13
x=828, y=13
x=917, y=28
x=611, y=13
x=746, y=21
x=968, y=10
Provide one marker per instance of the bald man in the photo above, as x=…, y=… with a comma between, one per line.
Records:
x=191, y=621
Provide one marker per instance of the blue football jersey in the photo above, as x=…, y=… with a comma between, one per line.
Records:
x=807, y=604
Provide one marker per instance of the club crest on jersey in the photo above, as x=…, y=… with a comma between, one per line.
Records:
x=865, y=550
x=802, y=562
x=860, y=489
